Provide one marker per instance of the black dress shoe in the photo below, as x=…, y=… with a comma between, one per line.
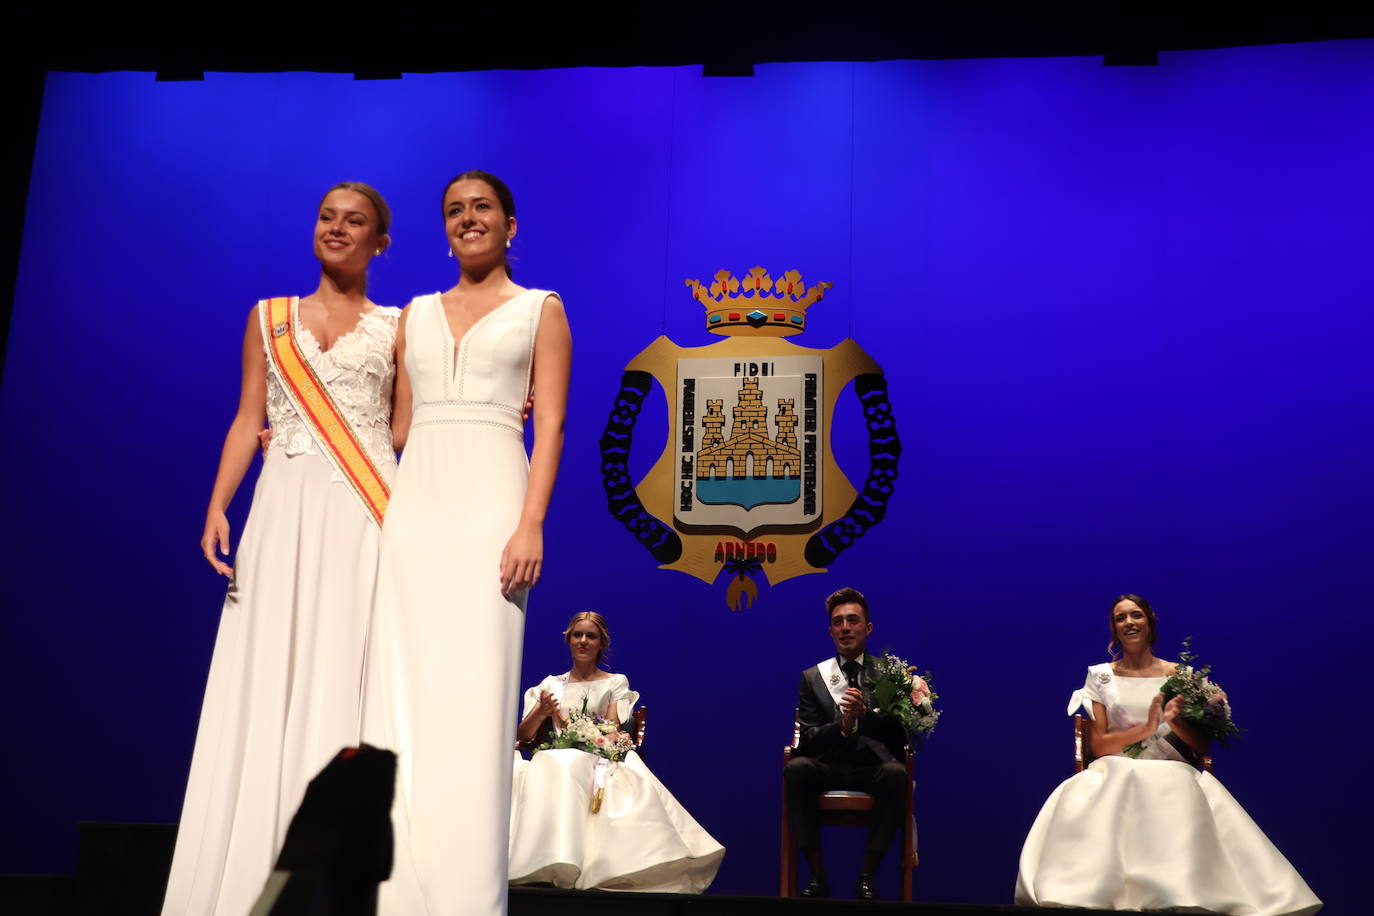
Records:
x=816, y=888
x=864, y=889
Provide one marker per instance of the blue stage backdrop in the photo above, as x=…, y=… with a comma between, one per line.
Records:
x=1125, y=314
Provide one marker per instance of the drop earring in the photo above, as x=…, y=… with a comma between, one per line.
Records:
x=507, y=243
x=450, y=252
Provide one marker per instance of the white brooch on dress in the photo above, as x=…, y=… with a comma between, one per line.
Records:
x=279, y=329
x=1103, y=677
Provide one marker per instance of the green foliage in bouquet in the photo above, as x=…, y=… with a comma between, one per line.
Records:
x=899, y=693
x=1205, y=707
x=591, y=733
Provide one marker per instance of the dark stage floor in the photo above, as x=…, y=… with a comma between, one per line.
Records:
x=122, y=871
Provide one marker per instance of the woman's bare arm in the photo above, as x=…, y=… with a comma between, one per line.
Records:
x=240, y=446
x=401, y=397
x=530, y=725
x=1107, y=742
x=523, y=559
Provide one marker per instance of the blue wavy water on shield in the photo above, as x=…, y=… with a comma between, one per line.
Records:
x=749, y=491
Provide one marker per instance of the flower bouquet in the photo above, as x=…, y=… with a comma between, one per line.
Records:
x=900, y=693
x=589, y=732
x=1204, y=702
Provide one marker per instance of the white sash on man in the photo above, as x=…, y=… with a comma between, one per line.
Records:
x=834, y=678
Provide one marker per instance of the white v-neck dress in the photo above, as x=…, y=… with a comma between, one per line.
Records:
x=285, y=678
x=443, y=662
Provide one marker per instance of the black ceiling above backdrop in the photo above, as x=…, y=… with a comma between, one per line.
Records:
x=726, y=38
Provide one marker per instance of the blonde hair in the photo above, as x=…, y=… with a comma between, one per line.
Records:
x=597, y=621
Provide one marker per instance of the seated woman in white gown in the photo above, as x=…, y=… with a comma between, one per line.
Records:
x=639, y=838
x=1149, y=832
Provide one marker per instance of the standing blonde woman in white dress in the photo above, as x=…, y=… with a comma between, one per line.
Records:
x=462, y=546
x=1150, y=832
x=285, y=678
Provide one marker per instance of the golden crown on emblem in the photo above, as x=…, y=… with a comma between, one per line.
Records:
x=758, y=305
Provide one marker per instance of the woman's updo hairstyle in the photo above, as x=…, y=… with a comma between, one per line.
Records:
x=1113, y=648
x=597, y=621
x=503, y=195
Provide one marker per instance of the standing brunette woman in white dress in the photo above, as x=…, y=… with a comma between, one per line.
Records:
x=285, y=678
x=1150, y=832
x=463, y=544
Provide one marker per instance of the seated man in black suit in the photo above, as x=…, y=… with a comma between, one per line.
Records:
x=845, y=744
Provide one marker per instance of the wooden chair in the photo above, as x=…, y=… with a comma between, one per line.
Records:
x=1083, y=746
x=640, y=718
x=847, y=808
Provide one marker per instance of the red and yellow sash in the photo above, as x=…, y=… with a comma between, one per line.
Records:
x=312, y=401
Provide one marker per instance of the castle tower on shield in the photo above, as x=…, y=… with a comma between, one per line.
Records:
x=752, y=467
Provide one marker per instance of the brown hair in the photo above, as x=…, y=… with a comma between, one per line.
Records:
x=599, y=622
x=372, y=194
x=503, y=196
x=846, y=595
x=1150, y=618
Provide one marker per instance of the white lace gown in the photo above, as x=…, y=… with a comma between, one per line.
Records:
x=443, y=662
x=285, y=678
x=641, y=839
x=1151, y=833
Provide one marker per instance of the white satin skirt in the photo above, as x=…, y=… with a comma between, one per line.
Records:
x=641, y=839
x=1153, y=835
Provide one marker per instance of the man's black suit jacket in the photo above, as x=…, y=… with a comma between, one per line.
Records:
x=877, y=739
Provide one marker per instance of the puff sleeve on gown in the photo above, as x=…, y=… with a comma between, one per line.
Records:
x=641, y=839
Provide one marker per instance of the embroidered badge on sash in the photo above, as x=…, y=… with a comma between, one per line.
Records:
x=747, y=483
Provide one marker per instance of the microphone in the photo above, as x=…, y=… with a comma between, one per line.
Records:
x=853, y=674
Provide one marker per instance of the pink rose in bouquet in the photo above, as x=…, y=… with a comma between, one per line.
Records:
x=919, y=690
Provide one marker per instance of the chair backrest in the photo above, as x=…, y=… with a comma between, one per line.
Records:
x=1082, y=743
x=640, y=717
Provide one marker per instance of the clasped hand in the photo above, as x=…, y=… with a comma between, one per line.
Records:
x=852, y=709
x=1173, y=710
x=548, y=708
x=1170, y=712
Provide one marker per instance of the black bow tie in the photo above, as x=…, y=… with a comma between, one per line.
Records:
x=852, y=670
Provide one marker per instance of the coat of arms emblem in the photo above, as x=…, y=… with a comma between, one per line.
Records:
x=747, y=482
